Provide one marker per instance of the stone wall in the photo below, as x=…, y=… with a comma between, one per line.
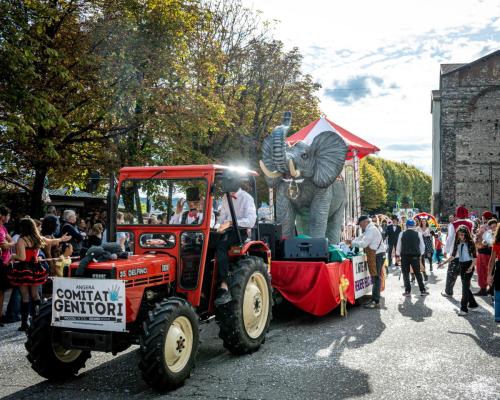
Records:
x=470, y=136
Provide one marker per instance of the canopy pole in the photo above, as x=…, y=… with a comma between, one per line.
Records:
x=357, y=208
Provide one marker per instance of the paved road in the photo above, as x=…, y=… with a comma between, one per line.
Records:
x=414, y=348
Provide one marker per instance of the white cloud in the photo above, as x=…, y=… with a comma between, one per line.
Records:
x=399, y=43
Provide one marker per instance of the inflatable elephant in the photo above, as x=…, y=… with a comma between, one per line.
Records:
x=310, y=192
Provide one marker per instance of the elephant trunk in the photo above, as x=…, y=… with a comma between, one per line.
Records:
x=278, y=151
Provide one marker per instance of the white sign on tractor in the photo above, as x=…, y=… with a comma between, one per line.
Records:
x=97, y=304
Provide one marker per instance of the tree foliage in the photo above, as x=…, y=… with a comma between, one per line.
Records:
x=373, y=187
x=406, y=186
x=95, y=85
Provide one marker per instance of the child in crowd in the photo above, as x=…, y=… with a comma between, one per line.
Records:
x=438, y=245
x=65, y=259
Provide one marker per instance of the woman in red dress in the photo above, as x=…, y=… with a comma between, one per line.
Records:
x=27, y=272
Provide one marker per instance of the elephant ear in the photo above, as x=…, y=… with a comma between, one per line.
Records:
x=330, y=151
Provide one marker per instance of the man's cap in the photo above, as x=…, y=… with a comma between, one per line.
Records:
x=410, y=223
x=362, y=218
x=193, y=194
x=462, y=212
x=488, y=215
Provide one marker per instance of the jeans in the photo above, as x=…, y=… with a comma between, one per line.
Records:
x=228, y=239
x=14, y=307
x=380, y=258
x=467, y=296
x=439, y=255
x=413, y=261
x=451, y=276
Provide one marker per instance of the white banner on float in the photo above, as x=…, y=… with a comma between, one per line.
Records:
x=362, y=279
x=97, y=304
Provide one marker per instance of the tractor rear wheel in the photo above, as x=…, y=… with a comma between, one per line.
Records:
x=48, y=357
x=245, y=321
x=169, y=344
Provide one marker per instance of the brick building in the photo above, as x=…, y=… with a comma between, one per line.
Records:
x=466, y=136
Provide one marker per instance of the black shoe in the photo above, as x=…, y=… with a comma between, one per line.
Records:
x=223, y=297
x=24, y=327
x=431, y=268
x=424, y=293
x=444, y=294
x=426, y=278
x=407, y=294
x=372, y=304
x=482, y=292
x=473, y=306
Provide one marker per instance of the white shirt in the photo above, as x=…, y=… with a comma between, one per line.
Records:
x=488, y=238
x=371, y=237
x=463, y=252
x=244, y=209
x=421, y=245
x=450, y=239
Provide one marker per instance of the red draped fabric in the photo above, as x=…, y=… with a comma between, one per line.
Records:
x=312, y=286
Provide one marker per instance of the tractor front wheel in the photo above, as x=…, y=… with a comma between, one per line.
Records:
x=48, y=357
x=245, y=321
x=169, y=344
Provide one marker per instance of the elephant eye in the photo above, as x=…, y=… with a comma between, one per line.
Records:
x=304, y=156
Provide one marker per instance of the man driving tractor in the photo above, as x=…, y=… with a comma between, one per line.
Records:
x=246, y=215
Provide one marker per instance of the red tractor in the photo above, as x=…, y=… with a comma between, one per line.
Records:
x=158, y=296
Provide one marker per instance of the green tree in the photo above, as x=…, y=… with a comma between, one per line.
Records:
x=373, y=187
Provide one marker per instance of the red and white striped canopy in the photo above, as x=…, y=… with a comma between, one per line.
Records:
x=309, y=132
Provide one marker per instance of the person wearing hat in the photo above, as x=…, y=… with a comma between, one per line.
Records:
x=372, y=242
x=461, y=219
x=192, y=216
x=410, y=247
x=484, y=251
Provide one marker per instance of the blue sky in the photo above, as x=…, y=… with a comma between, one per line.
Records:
x=378, y=61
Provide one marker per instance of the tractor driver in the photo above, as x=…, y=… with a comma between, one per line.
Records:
x=246, y=215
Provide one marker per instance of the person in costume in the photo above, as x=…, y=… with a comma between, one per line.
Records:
x=494, y=272
x=393, y=231
x=484, y=251
x=411, y=247
x=461, y=219
x=371, y=241
x=194, y=214
x=423, y=228
x=464, y=250
x=28, y=272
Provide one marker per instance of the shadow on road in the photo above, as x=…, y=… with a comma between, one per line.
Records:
x=351, y=382
x=484, y=326
x=417, y=311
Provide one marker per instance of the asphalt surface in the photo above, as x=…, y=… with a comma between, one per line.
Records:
x=413, y=348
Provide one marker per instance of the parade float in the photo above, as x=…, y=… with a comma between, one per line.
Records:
x=313, y=177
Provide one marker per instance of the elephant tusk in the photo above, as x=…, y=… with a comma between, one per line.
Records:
x=295, y=173
x=268, y=173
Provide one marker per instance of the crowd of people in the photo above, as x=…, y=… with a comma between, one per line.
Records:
x=469, y=247
x=32, y=250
